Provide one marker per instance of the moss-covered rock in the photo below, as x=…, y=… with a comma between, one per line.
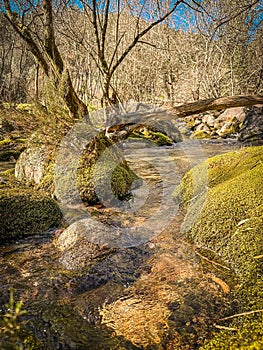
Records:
x=223, y=201
x=201, y=134
x=8, y=179
x=107, y=173
x=80, y=175
x=156, y=137
x=25, y=212
x=100, y=174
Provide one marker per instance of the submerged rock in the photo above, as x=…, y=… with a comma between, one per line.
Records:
x=25, y=212
x=223, y=200
x=78, y=244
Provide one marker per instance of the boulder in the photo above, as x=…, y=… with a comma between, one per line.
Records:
x=203, y=127
x=252, y=128
x=31, y=164
x=79, y=244
x=102, y=174
x=229, y=114
x=25, y=212
x=80, y=173
x=223, y=200
x=209, y=119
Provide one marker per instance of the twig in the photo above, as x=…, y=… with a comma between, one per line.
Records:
x=210, y=261
x=226, y=328
x=258, y=256
x=241, y=314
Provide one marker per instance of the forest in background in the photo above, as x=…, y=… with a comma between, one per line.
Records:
x=203, y=49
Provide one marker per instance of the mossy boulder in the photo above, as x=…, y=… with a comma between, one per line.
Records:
x=157, y=138
x=200, y=134
x=223, y=201
x=24, y=212
x=160, y=132
x=100, y=174
x=80, y=173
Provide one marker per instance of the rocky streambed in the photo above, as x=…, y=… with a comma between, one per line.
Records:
x=130, y=276
x=175, y=265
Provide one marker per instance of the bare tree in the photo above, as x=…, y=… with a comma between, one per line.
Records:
x=25, y=17
x=113, y=43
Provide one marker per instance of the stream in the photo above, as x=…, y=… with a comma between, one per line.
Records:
x=152, y=292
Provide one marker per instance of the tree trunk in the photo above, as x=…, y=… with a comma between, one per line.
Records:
x=48, y=56
x=216, y=104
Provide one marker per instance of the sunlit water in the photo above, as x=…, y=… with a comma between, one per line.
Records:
x=162, y=273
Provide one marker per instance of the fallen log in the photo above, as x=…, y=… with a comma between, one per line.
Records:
x=216, y=104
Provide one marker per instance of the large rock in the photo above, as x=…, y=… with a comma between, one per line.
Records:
x=25, y=212
x=167, y=128
x=79, y=244
x=31, y=164
x=252, y=128
x=99, y=174
x=81, y=175
x=223, y=200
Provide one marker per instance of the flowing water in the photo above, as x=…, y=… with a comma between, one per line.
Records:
x=152, y=293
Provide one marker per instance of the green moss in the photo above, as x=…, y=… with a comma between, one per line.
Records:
x=26, y=107
x=24, y=212
x=216, y=170
x=93, y=175
x=200, y=134
x=5, y=142
x=232, y=130
x=223, y=201
x=248, y=335
x=9, y=179
x=157, y=137
x=47, y=182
